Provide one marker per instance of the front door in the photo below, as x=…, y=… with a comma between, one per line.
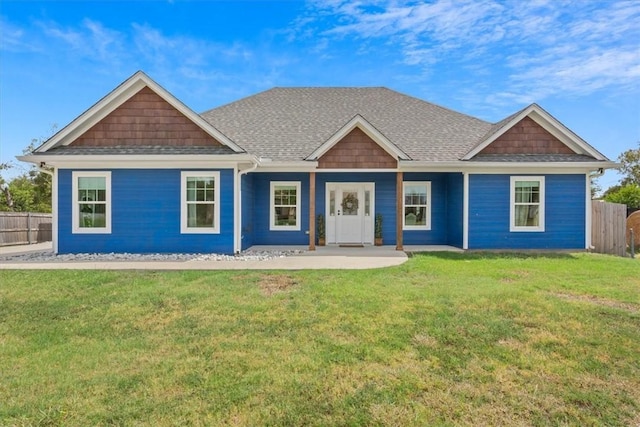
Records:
x=350, y=213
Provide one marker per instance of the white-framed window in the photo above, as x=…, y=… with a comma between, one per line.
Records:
x=284, y=205
x=200, y=202
x=417, y=205
x=91, y=200
x=527, y=203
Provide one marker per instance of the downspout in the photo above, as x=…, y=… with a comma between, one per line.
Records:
x=238, y=233
x=465, y=210
x=590, y=176
x=54, y=204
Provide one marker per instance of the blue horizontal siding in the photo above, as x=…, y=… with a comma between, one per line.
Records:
x=261, y=235
x=385, y=196
x=455, y=208
x=446, y=221
x=489, y=208
x=442, y=202
x=145, y=216
x=248, y=209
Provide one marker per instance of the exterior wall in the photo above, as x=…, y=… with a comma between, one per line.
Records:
x=455, y=199
x=145, y=119
x=248, y=209
x=385, y=196
x=356, y=151
x=489, y=207
x=145, y=216
x=261, y=235
x=527, y=137
x=445, y=209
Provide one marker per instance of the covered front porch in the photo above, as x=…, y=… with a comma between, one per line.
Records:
x=364, y=251
x=418, y=209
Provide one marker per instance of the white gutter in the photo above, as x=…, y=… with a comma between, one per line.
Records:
x=150, y=161
x=465, y=210
x=268, y=165
x=48, y=172
x=463, y=166
x=237, y=239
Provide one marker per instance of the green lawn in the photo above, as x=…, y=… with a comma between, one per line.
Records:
x=445, y=339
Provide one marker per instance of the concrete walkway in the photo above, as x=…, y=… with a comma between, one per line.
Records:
x=25, y=249
x=327, y=257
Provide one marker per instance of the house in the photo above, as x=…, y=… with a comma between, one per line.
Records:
x=141, y=172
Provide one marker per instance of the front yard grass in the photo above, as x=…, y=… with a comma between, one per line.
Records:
x=445, y=339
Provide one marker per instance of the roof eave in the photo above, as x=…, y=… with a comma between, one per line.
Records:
x=117, y=97
x=120, y=161
x=549, y=123
x=363, y=124
x=466, y=166
x=287, y=166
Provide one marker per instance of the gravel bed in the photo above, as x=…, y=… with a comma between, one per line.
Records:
x=51, y=257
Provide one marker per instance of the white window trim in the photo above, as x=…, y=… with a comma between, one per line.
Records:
x=272, y=216
x=75, y=215
x=184, y=229
x=512, y=205
x=427, y=225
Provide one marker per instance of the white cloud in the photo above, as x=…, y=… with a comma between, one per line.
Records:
x=537, y=48
x=90, y=39
x=14, y=38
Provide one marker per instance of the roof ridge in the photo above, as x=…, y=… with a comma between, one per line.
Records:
x=288, y=123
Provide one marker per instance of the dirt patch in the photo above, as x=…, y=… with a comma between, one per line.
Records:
x=515, y=276
x=425, y=340
x=632, y=308
x=274, y=283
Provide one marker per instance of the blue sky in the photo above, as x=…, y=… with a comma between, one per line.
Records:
x=580, y=60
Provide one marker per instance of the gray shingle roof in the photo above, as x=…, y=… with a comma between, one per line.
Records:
x=70, y=150
x=290, y=123
x=499, y=125
x=532, y=158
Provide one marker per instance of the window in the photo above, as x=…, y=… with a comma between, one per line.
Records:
x=417, y=205
x=91, y=211
x=527, y=203
x=285, y=206
x=200, y=206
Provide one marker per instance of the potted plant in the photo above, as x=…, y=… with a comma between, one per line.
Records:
x=320, y=226
x=378, y=230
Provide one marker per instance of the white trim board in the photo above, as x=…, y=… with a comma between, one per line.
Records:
x=359, y=122
x=184, y=228
x=272, y=186
x=550, y=124
x=75, y=203
x=541, y=205
x=116, y=98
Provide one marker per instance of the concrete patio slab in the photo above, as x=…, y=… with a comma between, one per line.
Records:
x=324, y=257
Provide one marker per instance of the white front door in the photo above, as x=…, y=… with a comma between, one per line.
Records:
x=350, y=208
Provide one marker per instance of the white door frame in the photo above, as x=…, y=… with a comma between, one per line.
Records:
x=366, y=211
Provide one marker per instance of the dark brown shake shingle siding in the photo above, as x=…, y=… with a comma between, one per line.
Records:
x=527, y=137
x=145, y=120
x=356, y=151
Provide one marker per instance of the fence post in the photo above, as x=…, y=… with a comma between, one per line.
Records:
x=29, y=227
x=633, y=244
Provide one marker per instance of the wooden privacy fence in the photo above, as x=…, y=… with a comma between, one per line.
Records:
x=18, y=228
x=608, y=230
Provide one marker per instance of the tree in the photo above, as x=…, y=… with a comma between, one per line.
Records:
x=627, y=194
x=6, y=198
x=595, y=188
x=28, y=192
x=630, y=166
